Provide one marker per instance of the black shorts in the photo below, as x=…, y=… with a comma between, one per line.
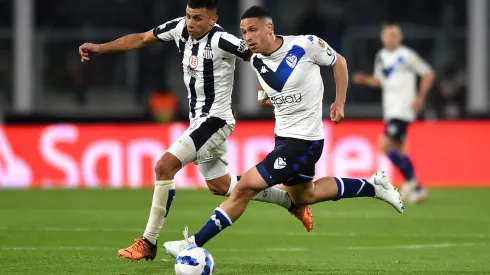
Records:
x=291, y=162
x=396, y=129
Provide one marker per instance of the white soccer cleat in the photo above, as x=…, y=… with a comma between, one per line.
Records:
x=408, y=188
x=418, y=196
x=175, y=247
x=385, y=191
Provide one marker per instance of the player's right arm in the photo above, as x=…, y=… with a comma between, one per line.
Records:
x=370, y=80
x=164, y=32
x=365, y=79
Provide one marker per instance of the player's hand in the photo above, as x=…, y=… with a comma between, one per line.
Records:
x=360, y=78
x=87, y=50
x=418, y=104
x=336, y=112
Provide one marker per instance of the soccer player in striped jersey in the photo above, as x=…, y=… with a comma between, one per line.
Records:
x=208, y=61
x=288, y=68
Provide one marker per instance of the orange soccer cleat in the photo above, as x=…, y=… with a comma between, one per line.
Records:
x=141, y=249
x=303, y=213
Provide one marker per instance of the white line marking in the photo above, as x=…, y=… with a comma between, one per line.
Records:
x=72, y=248
x=85, y=248
x=270, y=249
x=275, y=233
x=415, y=246
x=287, y=249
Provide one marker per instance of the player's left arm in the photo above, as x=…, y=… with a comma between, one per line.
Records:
x=322, y=54
x=427, y=74
x=231, y=45
x=341, y=75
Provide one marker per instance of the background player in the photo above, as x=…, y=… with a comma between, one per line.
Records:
x=288, y=68
x=395, y=71
x=208, y=61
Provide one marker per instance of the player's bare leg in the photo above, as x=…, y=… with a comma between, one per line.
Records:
x=224, y=185
x=411, y=190
x=163, y=196
x=328, y=188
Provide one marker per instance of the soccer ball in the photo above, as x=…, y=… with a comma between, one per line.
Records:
x=194, y=261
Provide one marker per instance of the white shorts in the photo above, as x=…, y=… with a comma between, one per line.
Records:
x=205, y=143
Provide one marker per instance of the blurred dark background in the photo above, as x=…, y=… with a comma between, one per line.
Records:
x=42, y=79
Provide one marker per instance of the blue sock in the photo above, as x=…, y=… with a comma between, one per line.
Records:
x=403, y=163
x=217, y=223
x=353, y=188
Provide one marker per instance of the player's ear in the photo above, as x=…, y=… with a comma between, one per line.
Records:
x=214, y=19
x=270, y=29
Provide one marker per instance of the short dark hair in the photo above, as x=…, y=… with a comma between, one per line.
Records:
x=199, y=4
x=390, y=23
x=256, y=12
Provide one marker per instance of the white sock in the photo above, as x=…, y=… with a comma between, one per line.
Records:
x=270, y=195
x=163, y=196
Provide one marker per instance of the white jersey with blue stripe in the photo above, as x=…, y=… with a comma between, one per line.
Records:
x=291, y=79
x=397, y=72
x=208, y=65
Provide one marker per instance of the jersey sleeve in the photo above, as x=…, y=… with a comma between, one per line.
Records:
x=168, y=31
x=319, y=51
x=378, y=67
x=417, y=64
x=230, y=45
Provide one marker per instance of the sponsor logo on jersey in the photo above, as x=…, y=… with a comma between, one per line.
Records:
x=243, y=47
x=193, y=62
x=311, y=38
x=290, y=99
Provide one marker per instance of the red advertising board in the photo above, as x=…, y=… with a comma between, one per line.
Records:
x=445, y=154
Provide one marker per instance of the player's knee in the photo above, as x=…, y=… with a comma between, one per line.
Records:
x=301, y=200
x=244, y=191
x=167, y=167
x=217, y=187
x=386, y=145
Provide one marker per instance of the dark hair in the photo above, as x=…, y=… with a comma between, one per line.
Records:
x=199, y=4
x=389, y=23
x=256, y=12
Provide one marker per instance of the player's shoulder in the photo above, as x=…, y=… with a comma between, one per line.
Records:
x=407, y=51
x=305, y=41
x=178, y=22
x=221, y=38
x=220, y=35
x=311, y=43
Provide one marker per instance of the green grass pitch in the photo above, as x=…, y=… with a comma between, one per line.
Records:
x=79, y=232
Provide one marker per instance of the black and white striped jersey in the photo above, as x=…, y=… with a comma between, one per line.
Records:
x=208, y=65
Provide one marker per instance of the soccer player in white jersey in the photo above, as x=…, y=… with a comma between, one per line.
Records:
x=395, y=70
x=208, y=61
x=288, y=68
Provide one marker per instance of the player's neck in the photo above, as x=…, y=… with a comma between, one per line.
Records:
x=392, y=49
x=275, y=45
x=204, y=34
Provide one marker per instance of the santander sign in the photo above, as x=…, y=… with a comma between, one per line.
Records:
x=122, y=156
